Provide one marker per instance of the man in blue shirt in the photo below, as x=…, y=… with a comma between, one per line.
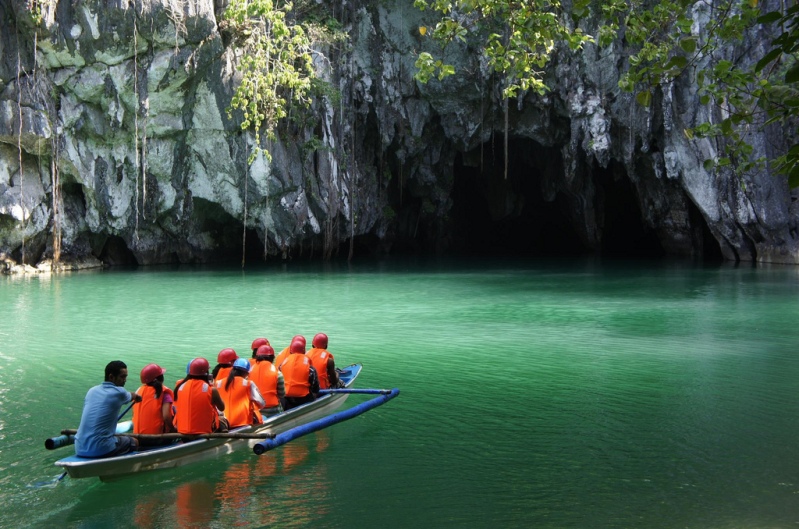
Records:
x=98, y=422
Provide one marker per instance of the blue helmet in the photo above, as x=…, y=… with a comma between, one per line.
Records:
x=241, y=363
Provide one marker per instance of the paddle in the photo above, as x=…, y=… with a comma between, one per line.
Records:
x=57, y=480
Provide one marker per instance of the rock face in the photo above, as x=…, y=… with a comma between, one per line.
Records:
x=116, y=137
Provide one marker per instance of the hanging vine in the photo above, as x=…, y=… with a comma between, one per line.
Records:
x=136, y=124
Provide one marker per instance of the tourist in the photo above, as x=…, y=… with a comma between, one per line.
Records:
x=224, y=362
x=153, y=415
x=258, y=342
x=198, y=403
x=285, y=352
x=269, y=380
x=323, y=362
x=300, y=377
x=242, y=399
x=98, y=421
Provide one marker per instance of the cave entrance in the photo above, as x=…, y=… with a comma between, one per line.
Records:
x=495, y=215
x=226, y=231
x=115, y=252
x=525, y=214
x=624, y=233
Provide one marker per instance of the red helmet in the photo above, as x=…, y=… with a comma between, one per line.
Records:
x=198, y=366
x=258, y=342
x=320, y=341
x=226, y=356
x=150, y=372
x=265, y=350
x=297, y=346
x=299, y=338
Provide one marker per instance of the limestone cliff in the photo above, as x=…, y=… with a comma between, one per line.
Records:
x=114, y=135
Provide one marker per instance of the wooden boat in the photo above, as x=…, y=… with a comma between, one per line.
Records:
x=185, y=452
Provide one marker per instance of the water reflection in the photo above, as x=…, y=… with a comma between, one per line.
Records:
x=282, y=487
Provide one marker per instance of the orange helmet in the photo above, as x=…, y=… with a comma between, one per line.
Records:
x=226, y=356
x=320, y=341
x=150, y=372
x=198, y=366
x=258, y=342
x=265, y=350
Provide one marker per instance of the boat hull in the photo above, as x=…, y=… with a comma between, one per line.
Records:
x=184, y=453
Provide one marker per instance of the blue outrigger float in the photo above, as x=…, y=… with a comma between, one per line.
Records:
x=274, y=431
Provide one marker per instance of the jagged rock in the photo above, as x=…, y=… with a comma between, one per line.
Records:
x=150, y=168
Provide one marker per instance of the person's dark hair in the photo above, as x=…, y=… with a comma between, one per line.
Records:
x=158, y=384
x=113, y=368
x=235, y=372
x=217, y=368
x=254, y=351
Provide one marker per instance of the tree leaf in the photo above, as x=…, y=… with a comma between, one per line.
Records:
x=767, y=58
x=644, y=98
x=688, y=44
x=768, y=18
x=792, y=75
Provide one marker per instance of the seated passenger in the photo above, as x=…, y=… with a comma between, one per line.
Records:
x=153, y=415
x=323, y=362
x=300, y=377
x=258, y=342
x=269, y=380
x=197, y=402
x=224, y=362
x=284, y=354
x=242, y=399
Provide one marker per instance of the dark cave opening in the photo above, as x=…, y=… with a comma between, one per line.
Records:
x=227, y=232
x=115, y=252
x=624, y=233
x=495, y=215
x=524, y=214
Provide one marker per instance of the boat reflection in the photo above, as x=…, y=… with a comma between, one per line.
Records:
x=287, y=486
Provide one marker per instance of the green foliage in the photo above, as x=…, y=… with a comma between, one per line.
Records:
x=741, y=100
x=276, y=64
x=665, y=42
x=517, y=37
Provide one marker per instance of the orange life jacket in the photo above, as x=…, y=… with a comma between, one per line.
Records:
x=319, y=359
x=222, y=373
x=281, y=358
x=147, y=415
x=196, y=412
x=264, y=375
x=239, y=408
x=296, y=370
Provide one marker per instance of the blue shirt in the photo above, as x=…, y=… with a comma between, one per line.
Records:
x=98, y=422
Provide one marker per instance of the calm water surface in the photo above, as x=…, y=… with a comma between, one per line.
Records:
x=543, y=394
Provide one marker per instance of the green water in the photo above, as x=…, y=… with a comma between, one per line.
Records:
x=546, y=395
